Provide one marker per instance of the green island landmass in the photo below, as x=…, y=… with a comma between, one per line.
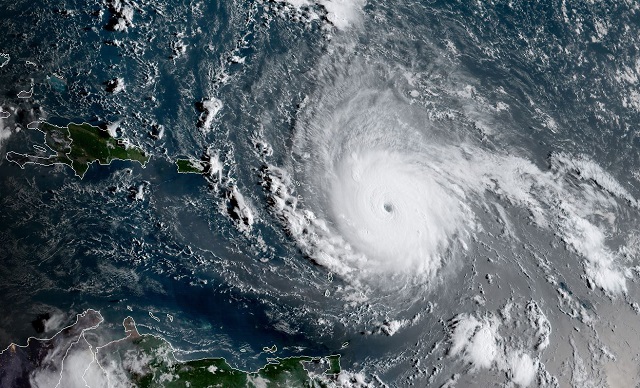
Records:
x=149, y=362
x=79, y=145
x=190, y=166
x=87, y=351
x=162, y=371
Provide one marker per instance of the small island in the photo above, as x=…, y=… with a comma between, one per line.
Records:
x=79, y=145
x=190, y=166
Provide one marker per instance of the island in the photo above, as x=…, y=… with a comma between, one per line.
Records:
x=79, y=145
x=190, y=166
x=163, y=371
x=86, y=352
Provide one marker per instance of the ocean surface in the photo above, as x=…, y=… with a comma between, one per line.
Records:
x=444, y=193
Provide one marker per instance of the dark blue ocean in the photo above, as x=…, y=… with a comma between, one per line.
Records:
x=498, y=82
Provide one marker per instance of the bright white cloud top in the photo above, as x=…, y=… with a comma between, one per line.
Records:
x=385, y=190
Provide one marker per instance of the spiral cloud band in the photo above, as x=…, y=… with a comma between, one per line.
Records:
x=374, y=184
x=382, y=188
x=388, y=206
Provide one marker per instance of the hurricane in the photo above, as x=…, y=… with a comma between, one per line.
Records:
x=406, y=186
x=377, y=188
x=336, y=193
x=385, y=189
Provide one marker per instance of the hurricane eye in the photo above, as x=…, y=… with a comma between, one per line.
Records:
x=388, y=207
